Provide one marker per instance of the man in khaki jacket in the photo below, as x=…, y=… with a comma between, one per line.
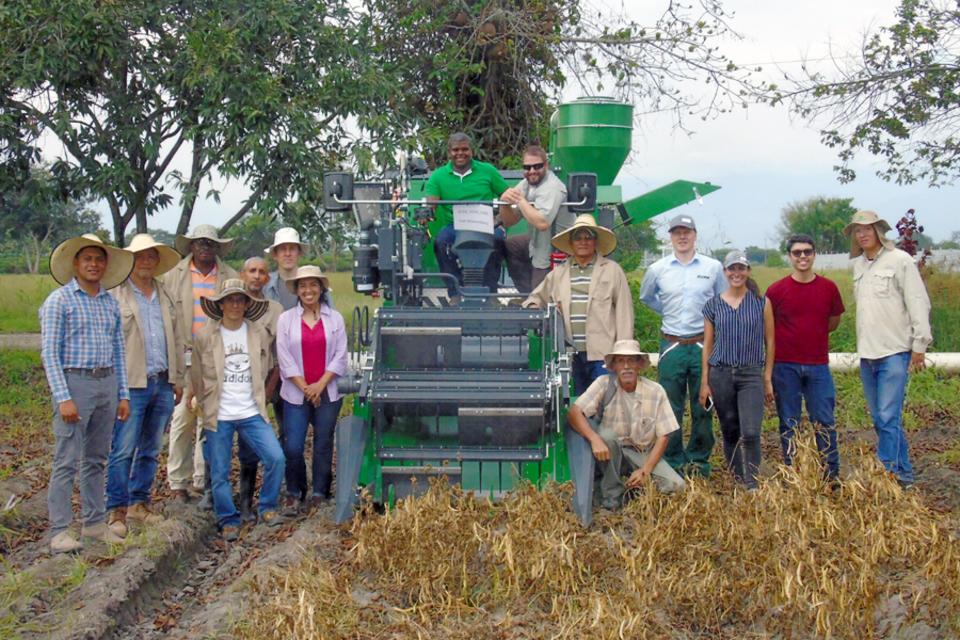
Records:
x=592, y=295
x=231, y=357
x=153, y=344
x=201, y=273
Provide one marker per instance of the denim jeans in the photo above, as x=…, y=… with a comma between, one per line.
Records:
x=448, y=263
x=885, y=386
x=584, y=371
x=136, y=444
x=218, y=449
x=323, y=417
x=738, y=397
x=794, y=384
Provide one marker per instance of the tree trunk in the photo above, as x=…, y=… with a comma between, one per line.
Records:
x=193, y=185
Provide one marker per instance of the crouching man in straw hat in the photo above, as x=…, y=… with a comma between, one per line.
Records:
x=893, y=332
x=201, y=273
x=83, y=355
x=153, y=342
x=592, y=294
x=635, y=426
x=231, y=355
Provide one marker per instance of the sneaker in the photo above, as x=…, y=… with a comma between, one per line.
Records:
x=117, y=521
x=100, y=532
x=143, y=512
x=64, y=542
x=271, y=518
x=230, y=533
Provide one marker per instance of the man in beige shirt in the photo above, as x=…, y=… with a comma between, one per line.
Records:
x=893, y=332
x=635, y=425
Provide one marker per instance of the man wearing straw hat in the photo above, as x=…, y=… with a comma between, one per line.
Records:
x=893, y=332
x=231, y=357
x=153, y=341
x=592, y=295
x=83, y=355
x=202, y=272
x=635, y=426
x=286, y=251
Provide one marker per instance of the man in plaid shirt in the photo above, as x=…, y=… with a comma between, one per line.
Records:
x=83, y=355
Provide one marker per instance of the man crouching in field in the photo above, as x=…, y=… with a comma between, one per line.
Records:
x=83, y=355
x=231, y=357
x=636, y=421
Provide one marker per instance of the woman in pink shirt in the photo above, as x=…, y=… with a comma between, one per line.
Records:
x=312, y=353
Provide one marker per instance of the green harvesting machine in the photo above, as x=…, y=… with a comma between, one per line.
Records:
x=470, y=388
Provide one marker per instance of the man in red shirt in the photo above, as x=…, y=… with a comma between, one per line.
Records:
x=806, y=308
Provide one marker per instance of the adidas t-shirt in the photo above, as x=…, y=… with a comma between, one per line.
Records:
x=236, y=396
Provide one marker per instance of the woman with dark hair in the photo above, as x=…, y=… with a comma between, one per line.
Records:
x=737, y=376
x=312, y=353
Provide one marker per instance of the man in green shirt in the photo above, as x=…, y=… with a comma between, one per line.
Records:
x=463, y=178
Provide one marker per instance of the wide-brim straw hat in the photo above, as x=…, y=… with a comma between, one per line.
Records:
x=205, y=231
x=606, y=241
x=867, y=217
x=625, y=348
x=307, y=271
x=168, y=255
x=256, y=307
x=119, y=261
x=286, y=235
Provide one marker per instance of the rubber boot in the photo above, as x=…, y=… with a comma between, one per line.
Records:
x=206, y=502
x=248, y=485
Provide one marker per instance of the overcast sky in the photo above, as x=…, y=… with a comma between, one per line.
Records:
x=761, y=157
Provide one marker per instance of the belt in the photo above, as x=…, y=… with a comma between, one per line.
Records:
x=678, y=340
x=160, y=375
x=96, y=372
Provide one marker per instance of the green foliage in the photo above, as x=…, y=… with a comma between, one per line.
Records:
x=20, y=298
x=821, y=218
x=632, y=241
x=251, y=236
x=897, y=99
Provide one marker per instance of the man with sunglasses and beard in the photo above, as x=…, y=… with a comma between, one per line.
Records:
x=806, y=309
x=537, y=199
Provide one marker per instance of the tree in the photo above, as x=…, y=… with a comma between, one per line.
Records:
x=257, y=91
x=251, y=236
x=898, y=99
x=821, y=218
x=952, y=243
x=632, y=241
x=36, y=217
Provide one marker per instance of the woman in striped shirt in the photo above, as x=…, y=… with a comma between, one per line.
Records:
x=738, y=365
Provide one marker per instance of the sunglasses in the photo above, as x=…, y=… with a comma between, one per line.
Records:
x=804, y=253
x=203, y=242
x=533, y=167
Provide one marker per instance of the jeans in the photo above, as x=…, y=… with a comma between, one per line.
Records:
x=136, y=444
x=679, y=373
x=448, y=262
x=218, y=449
x=585, y=371
x=738, y=397
x=794, y=384
x=323, y=417
x=885, y=386
x=82, y=445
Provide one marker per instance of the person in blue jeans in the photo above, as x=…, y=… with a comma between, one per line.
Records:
x=312, y=353
x=806, y=308
x=893, y=333
x=231, y=356
x=153, y=343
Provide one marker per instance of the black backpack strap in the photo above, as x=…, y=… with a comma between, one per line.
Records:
x=608, y=395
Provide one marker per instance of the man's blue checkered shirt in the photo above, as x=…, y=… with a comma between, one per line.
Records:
x=82, y=332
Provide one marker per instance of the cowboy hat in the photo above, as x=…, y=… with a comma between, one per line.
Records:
x=286, y=235
x=625, y=348
x=864, y=218
x=168, y=257
x=119, y=262
x=211, y=306
x=308, y=271
x=204, y=231
x=606, y=241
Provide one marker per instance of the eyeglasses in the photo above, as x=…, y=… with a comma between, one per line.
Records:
x=584, y=236
x=204, y=242
x=802, y=253
x=533, y=167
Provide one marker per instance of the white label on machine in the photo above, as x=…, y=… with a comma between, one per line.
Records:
x=473, y=217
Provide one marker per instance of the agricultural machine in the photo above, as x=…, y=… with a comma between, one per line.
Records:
x=471, y=388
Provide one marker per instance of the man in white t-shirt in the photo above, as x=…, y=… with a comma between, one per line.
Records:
x=231, y=356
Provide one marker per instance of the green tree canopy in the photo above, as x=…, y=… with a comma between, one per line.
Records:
x=821, y=218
